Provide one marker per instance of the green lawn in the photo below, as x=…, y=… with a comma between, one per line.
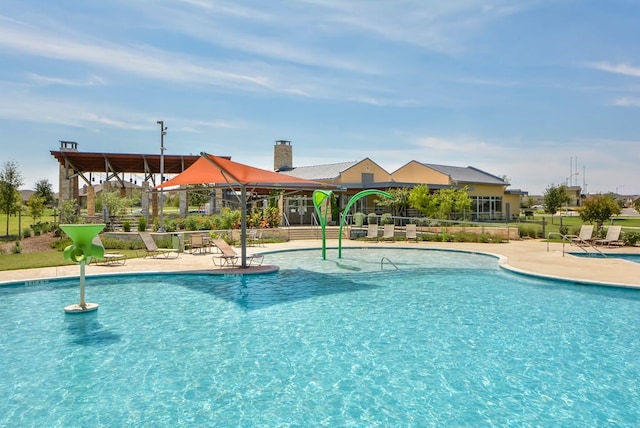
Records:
x=573, y=223
x=16, y=223
x=44, y=259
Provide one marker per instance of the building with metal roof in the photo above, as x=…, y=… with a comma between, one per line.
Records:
x=489, y=194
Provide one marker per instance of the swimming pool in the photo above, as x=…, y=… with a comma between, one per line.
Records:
x=628, y=256
x=446, y=339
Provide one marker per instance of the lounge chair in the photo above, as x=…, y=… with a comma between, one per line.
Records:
x=228, y=257
x=612, y=238
x=107, y=259
x=584, y=237
x=152, y=249
x=410, y=232
x=389, y=232
x=372, y=231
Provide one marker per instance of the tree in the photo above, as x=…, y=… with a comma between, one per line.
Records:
x=398, y=202
x=44, y=189
x=36, y=206
x=114, y=203
x=451, y=201
x=10, y=182
x=528, y=202
x=69, y=211
x=199, y=197
x=442, y=204
x=419, y=199
x=599, y=208
x=554, y=197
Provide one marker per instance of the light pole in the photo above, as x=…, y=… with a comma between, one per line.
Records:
x=163, y=132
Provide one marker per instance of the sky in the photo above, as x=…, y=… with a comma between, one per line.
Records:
x=542, y=92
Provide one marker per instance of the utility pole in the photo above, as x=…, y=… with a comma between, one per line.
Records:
x=163, y=132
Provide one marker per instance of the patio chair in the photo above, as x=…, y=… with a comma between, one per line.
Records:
x=372, y=231
x=389, y=232
x=228, y=256
x=199, y=243
x=612, y=238
x=254, y=237
x=584, y=237
x=152, y=249
x=410, y=232
x=107, y=259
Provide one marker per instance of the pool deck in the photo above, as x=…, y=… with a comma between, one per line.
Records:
x=526, y=256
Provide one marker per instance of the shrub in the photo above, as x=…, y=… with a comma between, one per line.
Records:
x=386, y=218
x=62, y=243
x=126, y=226
x=631, y=238
x=372, y=218
x=528, y=231
x=26, y=232
x=142, y=224
x=122, y=244
x=17, y=248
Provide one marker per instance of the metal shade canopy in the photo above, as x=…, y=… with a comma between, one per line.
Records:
x=210, y=169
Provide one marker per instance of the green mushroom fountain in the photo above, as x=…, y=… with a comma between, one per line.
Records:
x=81, y=252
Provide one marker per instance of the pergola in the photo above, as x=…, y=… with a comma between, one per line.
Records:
x=114, y=165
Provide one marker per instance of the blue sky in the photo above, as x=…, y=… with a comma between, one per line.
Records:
x=525, y=88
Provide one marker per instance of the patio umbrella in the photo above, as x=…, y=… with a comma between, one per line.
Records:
x=218, y=170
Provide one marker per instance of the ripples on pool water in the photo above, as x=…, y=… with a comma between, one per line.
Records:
x=447, y=339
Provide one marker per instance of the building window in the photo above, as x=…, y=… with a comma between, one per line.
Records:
x=367, y=178
x=486, y=207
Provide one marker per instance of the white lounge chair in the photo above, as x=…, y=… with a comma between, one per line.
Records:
x=372, y=231
x=389, y=232
x=612, y=238
x=410, y=232
x=584, y=237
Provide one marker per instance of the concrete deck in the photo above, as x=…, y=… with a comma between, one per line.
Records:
x=527, y=256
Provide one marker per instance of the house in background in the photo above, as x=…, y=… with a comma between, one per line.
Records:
x=489, y=195
x=490, y=198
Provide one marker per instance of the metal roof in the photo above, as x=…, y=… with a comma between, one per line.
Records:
x=467, y=174
x=330, y=171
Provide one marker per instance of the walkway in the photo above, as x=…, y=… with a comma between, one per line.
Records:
x=527, y=256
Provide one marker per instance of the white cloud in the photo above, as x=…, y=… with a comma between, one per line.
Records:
x=46, y=80
x=626, y=102
x=624, y=69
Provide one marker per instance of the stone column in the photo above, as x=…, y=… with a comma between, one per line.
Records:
x=184, y=206
x=144, y=199
x=91, y=201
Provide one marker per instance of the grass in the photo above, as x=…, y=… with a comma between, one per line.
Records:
x=19, y=223
x=573, y=224
x=45, y=259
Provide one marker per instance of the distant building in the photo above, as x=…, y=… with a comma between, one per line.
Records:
x=491, y=200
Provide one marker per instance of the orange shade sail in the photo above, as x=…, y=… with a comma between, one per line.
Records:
x=215, y=170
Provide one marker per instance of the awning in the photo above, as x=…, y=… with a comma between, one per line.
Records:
x=216, y=170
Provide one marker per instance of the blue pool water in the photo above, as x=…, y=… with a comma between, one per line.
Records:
x=629, y=256
x=447, y=339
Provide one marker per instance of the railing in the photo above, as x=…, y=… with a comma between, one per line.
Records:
x=567, y=238
x=388, y=261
